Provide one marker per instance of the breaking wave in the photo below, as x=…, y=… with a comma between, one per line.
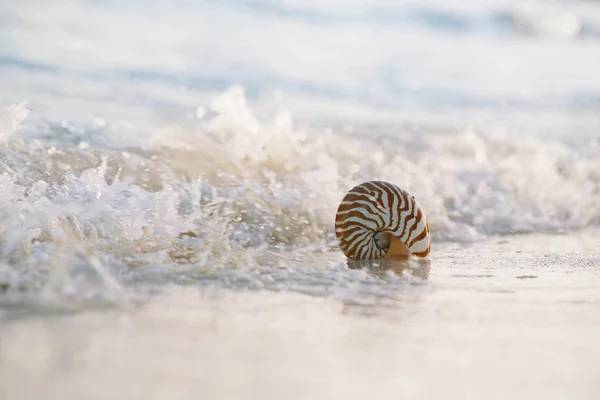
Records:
x=233, y=191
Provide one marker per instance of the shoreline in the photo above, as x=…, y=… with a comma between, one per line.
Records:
x=487, y=320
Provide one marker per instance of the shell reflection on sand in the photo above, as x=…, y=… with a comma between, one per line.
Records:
x=414, y=272
x=408, y=267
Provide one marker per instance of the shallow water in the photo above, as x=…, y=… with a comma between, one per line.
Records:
x=503, y=319
x=170, y=171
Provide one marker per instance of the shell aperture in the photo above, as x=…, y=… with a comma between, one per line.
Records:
x=378, y=220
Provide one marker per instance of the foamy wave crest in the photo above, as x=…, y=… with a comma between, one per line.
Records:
x=11, y=119
x=83, y=204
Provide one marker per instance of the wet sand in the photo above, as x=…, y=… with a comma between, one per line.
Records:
x=513, y=318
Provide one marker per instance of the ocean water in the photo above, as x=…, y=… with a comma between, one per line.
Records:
x=154, y=150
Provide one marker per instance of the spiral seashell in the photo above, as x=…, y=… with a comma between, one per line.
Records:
x=379, y=220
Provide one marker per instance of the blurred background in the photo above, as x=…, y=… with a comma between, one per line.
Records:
x=525, y=64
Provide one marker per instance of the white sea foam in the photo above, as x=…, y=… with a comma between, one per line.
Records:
x=211, y=137
x=233, y=191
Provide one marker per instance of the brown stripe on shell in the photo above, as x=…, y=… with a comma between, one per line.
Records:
x=379, y=206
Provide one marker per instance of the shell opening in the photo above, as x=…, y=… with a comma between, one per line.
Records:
x=397, y=249
x=393, y=247
x=383, y=240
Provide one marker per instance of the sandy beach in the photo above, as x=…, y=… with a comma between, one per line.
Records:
x=515, y=317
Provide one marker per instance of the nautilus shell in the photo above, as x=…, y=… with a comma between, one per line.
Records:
x=378, y=220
